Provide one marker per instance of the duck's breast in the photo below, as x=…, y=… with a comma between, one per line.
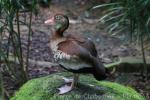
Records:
x=65, y=53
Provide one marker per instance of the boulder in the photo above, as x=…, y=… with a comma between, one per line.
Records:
x=45, y=88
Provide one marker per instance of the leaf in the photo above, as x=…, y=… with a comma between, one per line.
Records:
x=102, y=19
x=148, y=21
x=105, y=5
x=114, y=17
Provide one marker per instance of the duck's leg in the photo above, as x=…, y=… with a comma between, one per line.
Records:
x=66, y=88
x=67, y=80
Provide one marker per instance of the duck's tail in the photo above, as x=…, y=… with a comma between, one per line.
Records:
x=100, y=72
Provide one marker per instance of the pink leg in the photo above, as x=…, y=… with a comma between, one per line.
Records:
x=67, y=88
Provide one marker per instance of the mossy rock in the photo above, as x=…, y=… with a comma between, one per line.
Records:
x=45, y=88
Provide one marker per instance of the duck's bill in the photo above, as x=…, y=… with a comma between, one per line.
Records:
x=49, y=21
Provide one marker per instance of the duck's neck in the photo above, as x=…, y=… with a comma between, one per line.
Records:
x=56, y=34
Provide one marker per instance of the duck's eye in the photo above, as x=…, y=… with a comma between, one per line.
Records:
x=57, y=17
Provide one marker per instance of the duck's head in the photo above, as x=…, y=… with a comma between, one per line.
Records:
x=59, y=22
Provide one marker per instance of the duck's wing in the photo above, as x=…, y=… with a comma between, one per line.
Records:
x=72, y=48
x=83, y=42
x=89, y=45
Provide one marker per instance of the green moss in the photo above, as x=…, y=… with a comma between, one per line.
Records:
x=119, y=90
x=45, y=88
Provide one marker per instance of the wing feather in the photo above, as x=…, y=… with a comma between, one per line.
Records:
x=73, y=48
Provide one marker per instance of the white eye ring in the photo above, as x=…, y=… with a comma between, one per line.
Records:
x=57, y=17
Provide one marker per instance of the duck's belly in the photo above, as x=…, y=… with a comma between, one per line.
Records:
x=74, y=64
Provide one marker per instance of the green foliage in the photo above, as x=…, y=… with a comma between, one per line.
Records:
x=130, y=17
x=10, y=13
x=10, y=36
x=126, y=15
x=1, y=88
x=45, y=88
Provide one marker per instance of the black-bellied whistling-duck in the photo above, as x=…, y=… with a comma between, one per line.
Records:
x=75, y=54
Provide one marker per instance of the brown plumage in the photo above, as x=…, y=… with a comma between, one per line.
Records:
x=75, y=54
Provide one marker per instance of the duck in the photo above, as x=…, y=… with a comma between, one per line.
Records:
x=74, y=53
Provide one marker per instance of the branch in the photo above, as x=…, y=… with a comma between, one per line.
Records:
x=125, y=64
x=129, y=64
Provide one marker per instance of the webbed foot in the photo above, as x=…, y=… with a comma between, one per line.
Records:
x=67, y=88
x=64, y=89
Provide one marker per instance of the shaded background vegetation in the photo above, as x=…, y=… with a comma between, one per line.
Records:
x=10, y=25
x=132, y=16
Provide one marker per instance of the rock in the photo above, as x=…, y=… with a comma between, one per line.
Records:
x=45, y=88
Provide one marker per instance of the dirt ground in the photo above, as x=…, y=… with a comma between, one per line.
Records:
x=83, y=23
